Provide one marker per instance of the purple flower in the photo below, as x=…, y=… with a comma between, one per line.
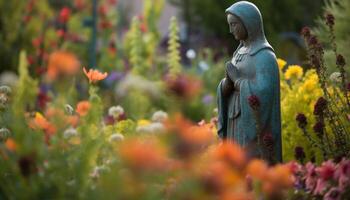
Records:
x=254, y=102
x=311, y=176
x=305, y=32
x=320, y=106
x=207, y=99
x=330, y=19
x=318, y=128
x=340, y=60
x=302, y=120
x=321, y=186
x=299, y=153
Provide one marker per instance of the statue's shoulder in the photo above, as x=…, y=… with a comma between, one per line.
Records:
x=265, y=55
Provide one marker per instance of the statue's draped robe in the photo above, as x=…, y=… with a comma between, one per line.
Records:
x=258, y=74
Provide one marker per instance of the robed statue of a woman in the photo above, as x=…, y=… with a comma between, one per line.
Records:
x=251, y=75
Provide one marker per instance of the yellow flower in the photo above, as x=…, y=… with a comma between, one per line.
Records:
x=143, y=122
x=281, y=63
x=293, y=71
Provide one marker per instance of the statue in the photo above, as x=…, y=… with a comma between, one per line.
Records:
x=249, y=95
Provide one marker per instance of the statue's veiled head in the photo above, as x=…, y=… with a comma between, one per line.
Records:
x=245, y=21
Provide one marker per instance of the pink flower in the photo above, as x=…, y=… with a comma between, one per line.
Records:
x=333, y=194
x=326, y=170
x=311, y=176
x=64, y=15
x=342, y=174
x=321, y=186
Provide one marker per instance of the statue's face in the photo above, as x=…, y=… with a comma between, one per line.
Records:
x=237, y=27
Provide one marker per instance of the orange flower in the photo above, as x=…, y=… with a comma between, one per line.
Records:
x=83, y=108
x=231, y=153
x=72, y=120
x=39, y=122
x=94, y=75
x=11, y=144
x=144, y=155
x=62, y=63
x=257, y=169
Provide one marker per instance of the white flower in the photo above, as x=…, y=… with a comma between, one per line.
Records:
x=191, y=54
x=8, y=78
x=115, y=111
x=203, y=66
x=69, y=109
x=4, y=134
x=335, y=77
x=116, y=137
x=5, y=89
x=98, y=170
x=70, y=132
x=159, y=116
x=153, y=128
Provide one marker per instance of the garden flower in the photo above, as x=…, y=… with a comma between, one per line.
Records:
x=116, y=137
x=333, y=194
x=329, y=19
x=340, y=60
x=320, y=106
x=257, y=169
x=4, y=134
x=335, y=77
x=293, y=72
x=70, y=132
x=143, y=156
x=62, y=63
x=94, y=75
x=83, y=108
x=321, y=186
x=342, y=174
x=299, y=153
x=191, y=54
x=8, y=78
x=159, y=116
x=115, y=111
x=64, y=15
x=326, y=170
x=311, y=176
x=318, y=128
x=183, y=86
x=232, y=154
x=281, y=63
x=11, y=145
x=306, y=32
x=69, y=109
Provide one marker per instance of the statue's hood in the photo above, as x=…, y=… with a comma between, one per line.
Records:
x=252, y=20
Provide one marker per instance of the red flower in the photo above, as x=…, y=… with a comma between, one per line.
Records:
x=326, y=170
x=64, y=15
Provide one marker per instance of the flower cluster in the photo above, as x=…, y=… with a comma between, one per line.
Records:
x=331, y=180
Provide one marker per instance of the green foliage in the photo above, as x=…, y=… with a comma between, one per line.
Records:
x=173, y=48
x=340, y=9
x=136, y=47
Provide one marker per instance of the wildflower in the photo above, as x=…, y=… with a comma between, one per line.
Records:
x=280, y=176
x=340, y=60
x=335, y=77
x=64, y=15
x=27, y=165
x=143, y=156
x=312, y=41
x=70, y=132
x=281, y=63
x=294, y=72
x=318, y=128
x=320, y=106
x=191, y=54
x=254, y=102
x=330, y=19
x=115, y=111
x=159, y=116
x=321, y=186
x=311, y=176
x=207, y=99
x=116, y=137
x=232, y=154
x=326, y=170
x=299, y=153
x=8, y=78
x=5, y=89
x=183, y=86
x=4, y=134
x=69, y=109
x=203, y=66
x=306, y=32
x=83, y=108
x=62, y=63
x=333, y=194
x=342, y=174
x=94, y=75
x=257, y=169
x=11, y=145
